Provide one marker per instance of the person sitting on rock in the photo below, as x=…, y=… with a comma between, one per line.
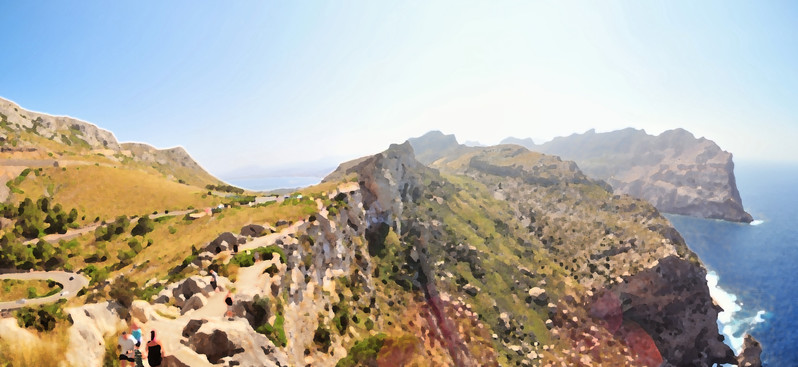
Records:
x=126, y=346
x=229, y=301
x=154, y=351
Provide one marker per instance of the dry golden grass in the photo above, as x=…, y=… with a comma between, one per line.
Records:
x=107, y=192
x=12, y=289
x=47, y=350
x=169, y=249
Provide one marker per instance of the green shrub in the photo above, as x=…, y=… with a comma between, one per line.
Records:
x=276, y=332
x=266, y=253
x=143, y=226
x=42, y=318
x=96, y=275
x=364, y=352
x=322, y=338
x=243, y=259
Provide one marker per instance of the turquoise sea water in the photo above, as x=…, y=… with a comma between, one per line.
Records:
x=754, y=267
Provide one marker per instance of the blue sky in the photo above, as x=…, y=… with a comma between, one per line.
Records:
x=275, y=84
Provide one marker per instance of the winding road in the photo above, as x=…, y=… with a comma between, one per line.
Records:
x=71, y=284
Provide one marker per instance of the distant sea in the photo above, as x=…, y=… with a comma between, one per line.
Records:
x=274, y=183
x=753, y=267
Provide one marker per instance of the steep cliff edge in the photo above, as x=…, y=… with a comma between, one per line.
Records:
x=674, y=171
x=528, y=243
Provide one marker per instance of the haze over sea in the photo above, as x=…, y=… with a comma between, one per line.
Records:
x=754, y=266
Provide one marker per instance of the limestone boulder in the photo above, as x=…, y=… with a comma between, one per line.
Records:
x=196, y=302
x=191, y=286
x=253, y=230
x=538, y=295
x=192, y=326
x=92, y=323
x=223, y=242
x=235, y=343
x=143, y=311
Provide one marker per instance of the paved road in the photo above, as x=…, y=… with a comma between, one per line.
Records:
x=71, y=283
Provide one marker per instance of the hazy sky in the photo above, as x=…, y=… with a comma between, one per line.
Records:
x=274, y=83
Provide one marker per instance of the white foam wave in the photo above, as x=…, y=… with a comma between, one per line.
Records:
x=733, y=324
x=757, y=222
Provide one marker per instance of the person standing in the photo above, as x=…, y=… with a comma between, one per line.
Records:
x=137, y=356
x=228, y=300
x=214, y=280
x=126, y=346
x=135, y=331
x=154, y=351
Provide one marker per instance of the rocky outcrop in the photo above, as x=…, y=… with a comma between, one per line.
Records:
x=53, y=127
x=223, y=242
x=235, y=343
x=91, y=324
x=196, y=302
x=434, y=145
x=751, y=355
x=182, y=291
x=674, y=171
x=671, y=303
x=254, y=230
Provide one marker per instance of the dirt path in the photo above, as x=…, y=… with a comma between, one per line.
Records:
x=72, y=283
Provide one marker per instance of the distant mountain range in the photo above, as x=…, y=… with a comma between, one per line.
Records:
x=676, y=172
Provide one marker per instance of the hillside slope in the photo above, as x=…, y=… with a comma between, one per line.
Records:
x=28, y=135
x=537, y=250
x=116, y=178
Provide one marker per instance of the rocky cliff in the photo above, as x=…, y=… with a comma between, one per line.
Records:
x=674, y=171
x=56, y=128
x=528, y=243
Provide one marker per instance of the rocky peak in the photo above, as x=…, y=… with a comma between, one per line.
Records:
x=526, y=143
x=147, y=153
x=435, y=145
x=387, y=179
x=54, y=127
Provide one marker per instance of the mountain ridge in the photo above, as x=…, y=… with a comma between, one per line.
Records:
x=20, y=127
x=675, y=171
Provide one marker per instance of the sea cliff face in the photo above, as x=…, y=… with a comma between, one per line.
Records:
x=676, y=172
